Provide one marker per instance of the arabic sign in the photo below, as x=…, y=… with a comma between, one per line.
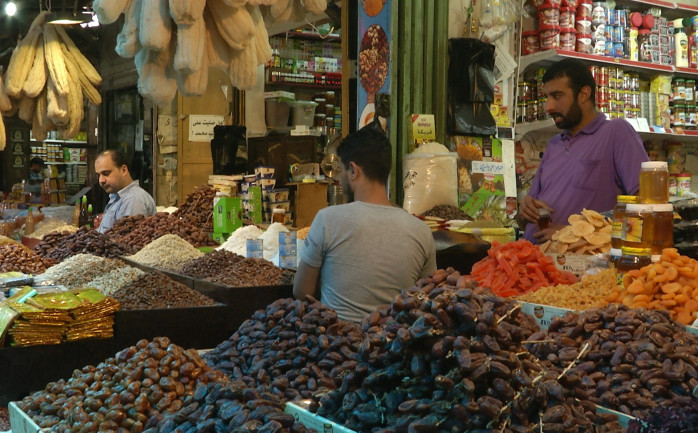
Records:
x=201, y=127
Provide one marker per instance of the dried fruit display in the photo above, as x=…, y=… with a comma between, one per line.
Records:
x=516, y=268
x=124, y=226
x=222, y=266
x=666, y=420
x=588, y=233
x=448, y=356
x=293, y=349
x=628, y=360
x=130, y=391
x=670, y=284
x=162, y=224
x=198, y=207
x=58, y=246
x=155, y=290
x=14, y=257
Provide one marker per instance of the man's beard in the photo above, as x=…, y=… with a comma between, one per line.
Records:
x=573, y=117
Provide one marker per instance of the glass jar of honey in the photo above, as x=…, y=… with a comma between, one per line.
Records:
x=654, y=182
x=632, y=258
x=618, y=214
x=648, y=226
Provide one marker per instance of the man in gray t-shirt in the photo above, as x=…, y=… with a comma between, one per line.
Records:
x=362, y=254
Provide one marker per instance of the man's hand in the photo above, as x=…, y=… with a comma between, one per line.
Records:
x=529, y=208
x=546, y=234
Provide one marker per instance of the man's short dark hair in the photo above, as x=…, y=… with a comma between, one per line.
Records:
x=36, y=160
x=117, y=156
x=369, y=149
x=577, y=73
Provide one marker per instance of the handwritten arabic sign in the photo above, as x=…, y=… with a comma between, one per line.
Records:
x=201, y=127
x=486, y=167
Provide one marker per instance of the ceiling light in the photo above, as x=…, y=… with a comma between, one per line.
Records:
x=10, y=9
x=64, y=18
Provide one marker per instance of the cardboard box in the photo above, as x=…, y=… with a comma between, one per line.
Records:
x=227, y=214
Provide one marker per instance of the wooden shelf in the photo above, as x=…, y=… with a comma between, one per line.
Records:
x=306, y=85
x=66, y=163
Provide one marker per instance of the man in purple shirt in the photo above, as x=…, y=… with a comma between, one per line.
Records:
x=587, y=165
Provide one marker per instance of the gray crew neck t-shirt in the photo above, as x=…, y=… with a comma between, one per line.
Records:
x=367, y=254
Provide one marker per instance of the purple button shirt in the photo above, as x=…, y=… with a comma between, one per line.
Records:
x=588, y=170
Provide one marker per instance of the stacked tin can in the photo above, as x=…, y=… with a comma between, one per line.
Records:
x=617, y=92
x=683, y=103
x=530, y=99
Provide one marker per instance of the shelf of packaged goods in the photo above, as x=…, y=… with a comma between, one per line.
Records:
x=330, y=37
x=306, y=85
x=65, y=162
x=548, y=57
x=59, y=141
x=670, y=10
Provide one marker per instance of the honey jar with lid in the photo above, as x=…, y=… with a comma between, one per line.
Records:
x=618, y=214
x=648, y=226
x=654, y=182
x=632, y=258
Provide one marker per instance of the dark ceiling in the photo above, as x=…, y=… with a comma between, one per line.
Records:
x=12, y=28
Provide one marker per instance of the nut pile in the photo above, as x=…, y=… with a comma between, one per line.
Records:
x=447, y=212
x=588, y=233
x=162, y=224
x=85, y=240
x=637, y=359
x=114, y=280
x=79, y=270
x=445, y=358
x=293, y=349
x=4, y=419
x=198, y=207
x=130, y=391
x=590, y=292
x=15, y=257
x=51, y=225
x=168, y=252
x=124, y=226
x=224, y=267
x=155, y=290
x=230, y=407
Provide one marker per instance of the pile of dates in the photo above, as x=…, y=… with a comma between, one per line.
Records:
x=155, y=290
x=59, y=246
x=162, y=224
x=636, y=360
x=16, y=257
x=446, y=356
x=229, y=407
x=225, y=267
x=293, y=349
x=124, y=226
x=197, y=208
x=130, y=392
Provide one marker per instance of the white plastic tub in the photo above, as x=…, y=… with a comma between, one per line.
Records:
x=303, y=112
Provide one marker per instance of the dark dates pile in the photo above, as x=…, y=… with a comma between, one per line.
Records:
x=225, y=267
x=162, y=224
x=197, y=208
x=60, y=246
x=124, y=226
x=155, y=290
x=230, y=407
x=292, y=349
x=446, y=356
x=637, y=360
x=130, y=392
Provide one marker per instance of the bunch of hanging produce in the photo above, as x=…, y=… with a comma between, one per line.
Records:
x=46, y=80
x=5, y=105
x=174, y=42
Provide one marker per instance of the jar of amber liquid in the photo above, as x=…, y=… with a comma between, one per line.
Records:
x=618, y=214
x=654, y=182
x=649, y=226
x=632, y=258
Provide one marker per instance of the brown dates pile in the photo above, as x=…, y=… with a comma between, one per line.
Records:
x=162, y=224
x=197, y=208
x=293, y=349
x=224, y=267
x=124, y=226
x=155, y=290
x=130, y=392
x=15, y=257
x=230, y=407
x=59, y=246
x=637, y=359
x=446, y=356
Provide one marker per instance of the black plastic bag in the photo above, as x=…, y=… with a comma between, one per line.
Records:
x=224, y=149
x=470, y=87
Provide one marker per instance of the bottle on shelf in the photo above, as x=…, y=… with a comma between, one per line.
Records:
x=680, y=44
x=29, y=225
x=89, y=216
x=83, y=212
